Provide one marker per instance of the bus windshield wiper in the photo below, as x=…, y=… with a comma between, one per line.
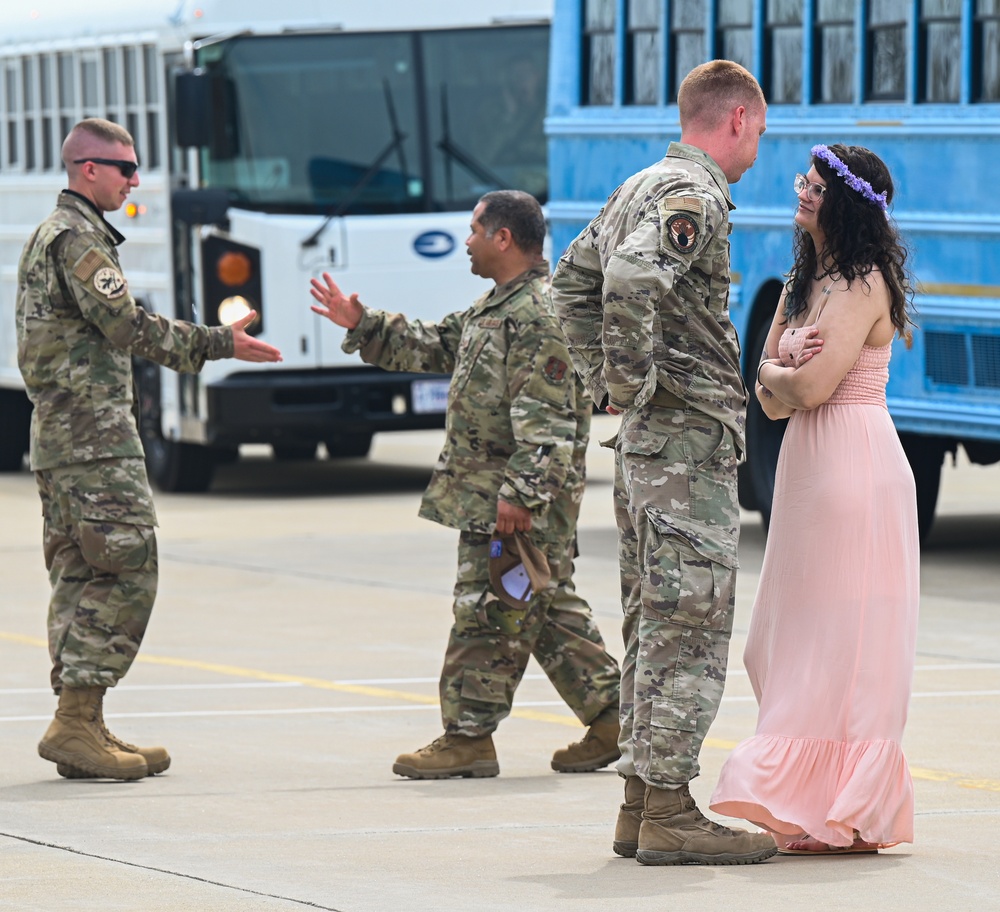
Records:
x=394, y=145
x=454, y=152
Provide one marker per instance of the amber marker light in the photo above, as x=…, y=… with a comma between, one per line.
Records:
x=234, y=268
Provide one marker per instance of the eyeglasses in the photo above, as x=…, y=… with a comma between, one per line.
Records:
x=814, y=192
x=127, y=168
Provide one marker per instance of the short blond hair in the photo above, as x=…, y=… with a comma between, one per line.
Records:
x=710, y=91
x=104, y=132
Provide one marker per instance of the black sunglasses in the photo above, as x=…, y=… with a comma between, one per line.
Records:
x=127, y=168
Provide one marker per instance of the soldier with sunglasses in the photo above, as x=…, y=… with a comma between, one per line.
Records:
x=77, y=330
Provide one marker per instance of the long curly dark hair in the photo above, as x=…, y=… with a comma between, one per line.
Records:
x=859, y=237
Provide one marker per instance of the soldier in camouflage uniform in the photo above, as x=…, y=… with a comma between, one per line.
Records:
x=77, y=329
x=643, y=297
x=516, y=435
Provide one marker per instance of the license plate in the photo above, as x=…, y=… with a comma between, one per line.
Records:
x=429, y=396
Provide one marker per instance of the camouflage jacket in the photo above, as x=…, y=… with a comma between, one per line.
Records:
x=517, y=421
x=643, y=292
x=77, y=329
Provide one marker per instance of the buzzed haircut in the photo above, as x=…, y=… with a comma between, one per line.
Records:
x=518, y=212
x=710, y=91
x=105, y=131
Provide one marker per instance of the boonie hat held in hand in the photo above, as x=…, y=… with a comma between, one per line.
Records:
x=517, y=569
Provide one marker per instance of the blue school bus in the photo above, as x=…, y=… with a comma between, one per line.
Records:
x=916, y=81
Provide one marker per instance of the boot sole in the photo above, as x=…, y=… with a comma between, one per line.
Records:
x=587, y=766
x=67, y=771
x=53, y=754
x=647, y=857
x=625, y=849
x=480, y=769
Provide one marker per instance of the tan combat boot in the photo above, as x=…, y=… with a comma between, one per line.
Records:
x=598, y=748
x=450, y=755
x=76, y=738
x=629, y=818
x=157, y=759
x=674, y=831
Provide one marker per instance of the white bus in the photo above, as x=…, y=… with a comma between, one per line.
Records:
x=276, y=141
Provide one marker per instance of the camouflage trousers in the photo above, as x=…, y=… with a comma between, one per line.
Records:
x=678, y=525
x=100, y=551
x=483, y=666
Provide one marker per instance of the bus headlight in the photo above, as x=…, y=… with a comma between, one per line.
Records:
x=231, y=282
x=233, y=309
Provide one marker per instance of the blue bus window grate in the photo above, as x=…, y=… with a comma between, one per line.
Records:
x=986, y=361
x=946, y=358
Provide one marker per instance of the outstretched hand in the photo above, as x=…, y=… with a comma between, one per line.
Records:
x=334, y=304
x=246, y=347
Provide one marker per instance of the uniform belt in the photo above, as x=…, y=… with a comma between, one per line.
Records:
x=666, y=399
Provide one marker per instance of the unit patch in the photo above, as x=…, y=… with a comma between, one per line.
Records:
x=110, y=283
x=554, y=370
x=682, y=231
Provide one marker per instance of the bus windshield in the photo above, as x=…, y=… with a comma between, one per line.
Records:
x=377, y=122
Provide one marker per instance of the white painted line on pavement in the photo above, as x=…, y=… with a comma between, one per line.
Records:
x=128, y=688
x=292, y=711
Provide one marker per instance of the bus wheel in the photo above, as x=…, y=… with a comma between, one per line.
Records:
x=349, y=446
x=925, y=455
x=172, y=466
x=15, y=415
x=178, y=467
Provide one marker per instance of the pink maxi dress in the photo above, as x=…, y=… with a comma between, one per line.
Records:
x=832, y=638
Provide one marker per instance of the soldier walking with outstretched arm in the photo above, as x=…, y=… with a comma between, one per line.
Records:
x=517, y=427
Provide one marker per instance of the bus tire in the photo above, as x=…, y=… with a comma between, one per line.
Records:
x=172, y=466
x=15, y=418
x=349, y=446
x=178, y=467
x=925, y=456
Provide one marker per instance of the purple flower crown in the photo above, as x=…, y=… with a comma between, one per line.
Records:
x=856, y=183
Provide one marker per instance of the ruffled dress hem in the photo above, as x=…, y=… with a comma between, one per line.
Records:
x=829, y=790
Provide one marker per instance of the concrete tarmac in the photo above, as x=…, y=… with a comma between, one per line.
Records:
x=294, y=652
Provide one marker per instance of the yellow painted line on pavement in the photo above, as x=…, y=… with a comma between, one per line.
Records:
x=319, y=683
x=921, y=773
x=929, y=775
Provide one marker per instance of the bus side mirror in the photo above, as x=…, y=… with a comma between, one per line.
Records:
x=193, y=108
x=205, y=113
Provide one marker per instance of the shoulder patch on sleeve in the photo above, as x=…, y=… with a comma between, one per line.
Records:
x=88, y=264
x=682, y=223
x=109, y=282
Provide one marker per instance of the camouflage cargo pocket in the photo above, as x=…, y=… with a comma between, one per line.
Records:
x=690, y=575
x=484, y=687
x=115, y=548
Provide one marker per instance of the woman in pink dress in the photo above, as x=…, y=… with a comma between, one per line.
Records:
x=833, y=634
